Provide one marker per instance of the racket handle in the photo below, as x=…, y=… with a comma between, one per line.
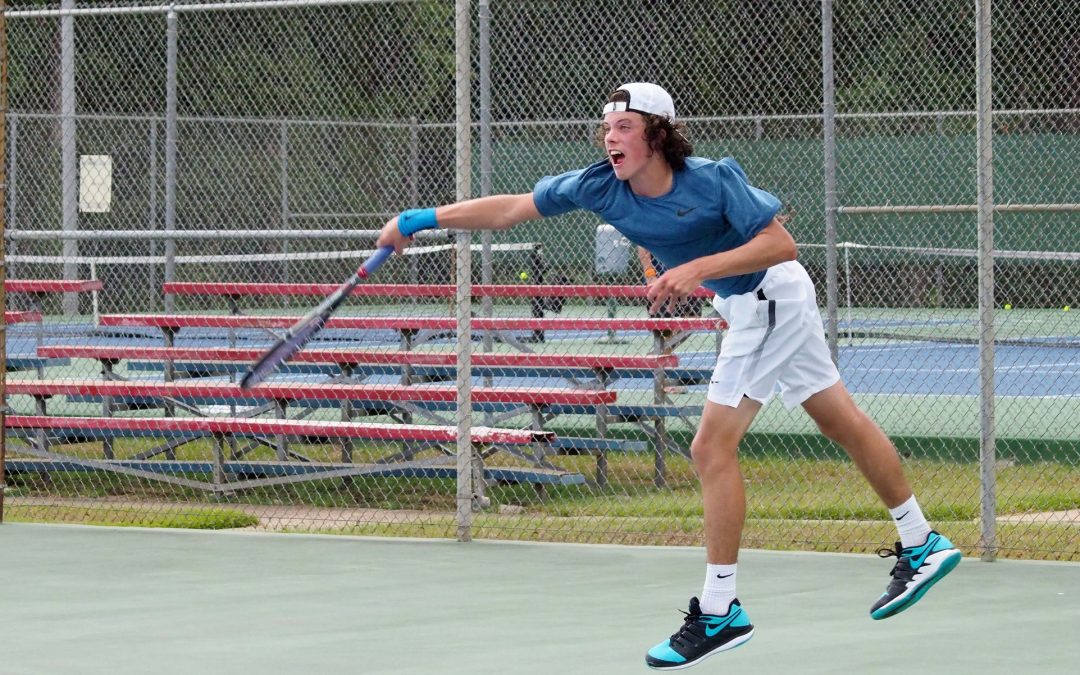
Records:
x=374, y=262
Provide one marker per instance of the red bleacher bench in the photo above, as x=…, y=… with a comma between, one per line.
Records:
x=200, y=361
x=36, y=289
x=22, y=317
x=356, y=357
x=648, y=417
x=294, y=391
x=254, y=426
x=536, y=401
x=446, y=323
x=221, y=428
x=234, y=291
x=256, y=289
x=52, y=285
x=661, y=328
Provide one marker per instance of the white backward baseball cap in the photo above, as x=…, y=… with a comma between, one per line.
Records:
x=645, y=97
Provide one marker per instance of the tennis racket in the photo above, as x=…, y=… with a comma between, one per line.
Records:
x=304, y=329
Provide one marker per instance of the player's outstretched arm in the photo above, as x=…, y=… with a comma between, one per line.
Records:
x=497, y=212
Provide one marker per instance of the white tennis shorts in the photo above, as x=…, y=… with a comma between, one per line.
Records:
x=775, y=339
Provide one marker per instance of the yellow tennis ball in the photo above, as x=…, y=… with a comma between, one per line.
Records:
x=1008, y=306
x=1065, y=308
x=524, y=276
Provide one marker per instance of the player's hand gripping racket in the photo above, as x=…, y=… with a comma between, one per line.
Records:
x=304, y=329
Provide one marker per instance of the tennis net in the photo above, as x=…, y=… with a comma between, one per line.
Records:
x=910, y=293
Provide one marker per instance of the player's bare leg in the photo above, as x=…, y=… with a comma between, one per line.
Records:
x=717, y=622
x=923, y=556
x=843, y=422
x=716, y=461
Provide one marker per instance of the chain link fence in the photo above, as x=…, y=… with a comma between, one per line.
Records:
x=200, y=174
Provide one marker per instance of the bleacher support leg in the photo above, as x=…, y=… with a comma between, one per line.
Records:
x=660, y=457
x=601, y=454
x=106, y=411
x=480, y=500
x=346, y=444
x=169, y=336
x=219, y=460
x=282, y=443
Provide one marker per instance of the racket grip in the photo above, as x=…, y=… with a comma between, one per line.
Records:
x=374, y=262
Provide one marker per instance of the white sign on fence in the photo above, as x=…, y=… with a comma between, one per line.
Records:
x=95, y=183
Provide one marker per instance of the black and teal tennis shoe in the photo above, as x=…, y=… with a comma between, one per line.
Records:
x=701, y=636
x=917, y=569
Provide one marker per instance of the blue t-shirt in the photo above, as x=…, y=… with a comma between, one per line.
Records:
x=710, y=208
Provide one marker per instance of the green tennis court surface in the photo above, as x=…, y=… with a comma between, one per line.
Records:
x=113, y=600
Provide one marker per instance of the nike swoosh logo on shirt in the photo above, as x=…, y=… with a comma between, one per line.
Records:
x=682, y=212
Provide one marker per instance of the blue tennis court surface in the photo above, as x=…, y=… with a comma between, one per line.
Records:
x=929, y=368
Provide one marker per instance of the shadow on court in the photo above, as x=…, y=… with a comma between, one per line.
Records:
x=114, y=600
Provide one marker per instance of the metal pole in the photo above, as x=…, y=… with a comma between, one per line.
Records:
x=847, y=286
x=170, y=152
x=414, y=162
x=487, y=307
x=69, y=177
x=984, y=135
x=487, y=236
x=12, y=184
x=3, y=272
x=152, y=216
x=414, y=185
x=468, y=488
x=829, y=131
x=284, y=151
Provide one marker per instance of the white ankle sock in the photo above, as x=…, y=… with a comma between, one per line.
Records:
x=910, y=523
x=719, y=589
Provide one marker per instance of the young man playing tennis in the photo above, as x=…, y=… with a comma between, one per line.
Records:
x=710, y=227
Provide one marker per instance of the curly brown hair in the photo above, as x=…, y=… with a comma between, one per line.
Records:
x=661, y=134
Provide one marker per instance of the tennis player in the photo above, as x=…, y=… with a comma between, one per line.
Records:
x=708, y=226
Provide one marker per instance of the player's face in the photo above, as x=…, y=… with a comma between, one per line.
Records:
x=625, y=144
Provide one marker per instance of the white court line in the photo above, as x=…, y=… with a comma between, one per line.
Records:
x=930, y=366
x=999, y=397
x=931, y=345
x=908, y=346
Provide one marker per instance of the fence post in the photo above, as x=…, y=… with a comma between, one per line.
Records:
x=486, y=236
x=283, y=149
x=153, y=294
x=3, y=272
x=12, y=178
x=984, y=135
x=170, y=152
x=469, y=490
x=69, y=177
x=829, y=133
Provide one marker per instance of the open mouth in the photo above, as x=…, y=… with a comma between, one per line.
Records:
x=616, y=157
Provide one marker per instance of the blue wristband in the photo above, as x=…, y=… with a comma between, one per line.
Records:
x=412, y=221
